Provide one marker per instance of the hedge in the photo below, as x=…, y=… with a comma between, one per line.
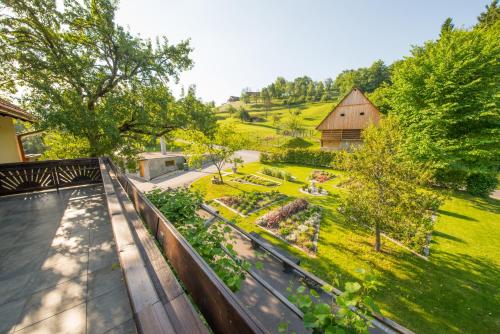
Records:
x=309, y=157
x=481, y=184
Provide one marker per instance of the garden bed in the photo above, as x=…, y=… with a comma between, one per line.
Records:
x=248, y=203
x=277, y=173
x=321, y=176
x=256, y=180
x=296, y=223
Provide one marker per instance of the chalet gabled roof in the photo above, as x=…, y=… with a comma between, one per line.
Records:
x=342, y=104
x=11, y=110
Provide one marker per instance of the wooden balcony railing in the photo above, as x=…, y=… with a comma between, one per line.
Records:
x=35, y=176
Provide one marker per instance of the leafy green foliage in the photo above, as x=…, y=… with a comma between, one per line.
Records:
x=277, y=173
x=349, y=312
x=490, y=16
x=308, y=157
x=446, y=96
x=304, y=89
x=243, y=115
x=213, y=243
x=218, y=146
x=89, y=78
x=383, y=192
x=61, y=145
x=367, y=78
x=481, y=184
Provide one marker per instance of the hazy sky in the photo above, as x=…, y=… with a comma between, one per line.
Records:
x=249, y=43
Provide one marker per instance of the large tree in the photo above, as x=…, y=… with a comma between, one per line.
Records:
x=446, y=95
x=383, y=191
x=86, y=76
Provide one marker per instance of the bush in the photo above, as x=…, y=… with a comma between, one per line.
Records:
x=244, y=115
x=481, y=184
x=316, y=158
x=277, y=173
x=297, y=143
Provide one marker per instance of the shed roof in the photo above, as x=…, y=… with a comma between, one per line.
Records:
x=356, y=110
x=11, y=110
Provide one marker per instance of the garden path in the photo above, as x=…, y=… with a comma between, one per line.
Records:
x=188, y=177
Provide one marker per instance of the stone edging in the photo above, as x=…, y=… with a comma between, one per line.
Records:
x=305, y=192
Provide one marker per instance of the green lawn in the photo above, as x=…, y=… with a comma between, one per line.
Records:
x=456, y=291
x=263, y=134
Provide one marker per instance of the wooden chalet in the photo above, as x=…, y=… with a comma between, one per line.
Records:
x=342, y=127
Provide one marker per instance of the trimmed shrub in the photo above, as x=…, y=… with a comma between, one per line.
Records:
x=481, y=184
x=309, y=157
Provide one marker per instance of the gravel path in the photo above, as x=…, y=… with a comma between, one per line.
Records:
x=186, y=178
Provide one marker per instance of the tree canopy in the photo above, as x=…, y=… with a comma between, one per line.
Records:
x=446, y=95
x=86, y=76
x=304, y=89
x=383, y=190
x=218, y=148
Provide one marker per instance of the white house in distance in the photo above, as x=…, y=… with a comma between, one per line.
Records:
x=342, y=127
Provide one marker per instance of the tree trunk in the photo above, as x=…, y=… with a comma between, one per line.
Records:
x=377, y=238
x=220, y=175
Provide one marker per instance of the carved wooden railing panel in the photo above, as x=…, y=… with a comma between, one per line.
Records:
x=33, y=176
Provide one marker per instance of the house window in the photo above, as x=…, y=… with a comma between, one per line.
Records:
x=342, y=114
x=361, y=113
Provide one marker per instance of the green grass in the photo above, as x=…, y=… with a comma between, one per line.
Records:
x=456, y=291
x=264, y=135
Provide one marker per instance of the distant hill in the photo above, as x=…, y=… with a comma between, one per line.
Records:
x=272, y=131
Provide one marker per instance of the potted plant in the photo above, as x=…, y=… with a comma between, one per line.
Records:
x=236, y=161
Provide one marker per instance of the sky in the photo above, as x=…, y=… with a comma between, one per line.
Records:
x=240, y=44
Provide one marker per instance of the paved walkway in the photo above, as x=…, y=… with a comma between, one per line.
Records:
x=186, y=178
x=59, y=272
x=495, y=194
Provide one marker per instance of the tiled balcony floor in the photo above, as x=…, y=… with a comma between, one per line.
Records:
x=59, y=271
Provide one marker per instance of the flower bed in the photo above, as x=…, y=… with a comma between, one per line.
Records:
x=316, y=191
x=257, y=180
x=321, y=176
x=277, y=173
x=247, y=203
x=297, y=223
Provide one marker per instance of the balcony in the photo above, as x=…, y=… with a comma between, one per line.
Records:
x=83, y=251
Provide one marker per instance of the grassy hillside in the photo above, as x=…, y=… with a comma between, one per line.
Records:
x=264, y=134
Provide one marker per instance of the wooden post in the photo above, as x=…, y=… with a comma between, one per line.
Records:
x=21, y=148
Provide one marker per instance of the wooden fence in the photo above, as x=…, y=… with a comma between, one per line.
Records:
x=35, y=176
